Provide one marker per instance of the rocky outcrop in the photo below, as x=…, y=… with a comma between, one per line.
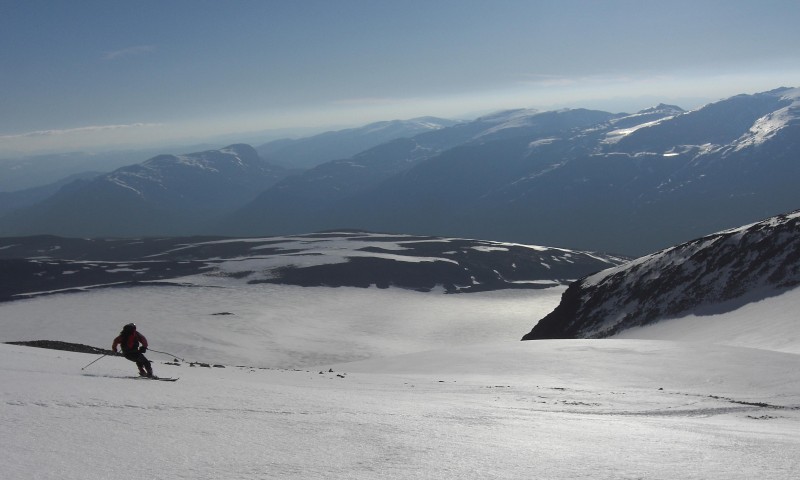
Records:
x=718, y=272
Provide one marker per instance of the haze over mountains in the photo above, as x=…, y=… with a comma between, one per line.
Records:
x=334, y=145
x=166, y=195
x=582, y=179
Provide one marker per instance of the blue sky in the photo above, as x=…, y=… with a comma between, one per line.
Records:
x=99, y=74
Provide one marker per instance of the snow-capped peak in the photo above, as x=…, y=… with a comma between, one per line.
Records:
x=625, y=125
x=661, y=108
x=769, y=125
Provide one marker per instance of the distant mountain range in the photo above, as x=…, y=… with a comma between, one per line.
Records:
x=718, y=272
x=581, y=179
x=576, y=178
x=29, y=172
x=166, y=195
x=40, y=265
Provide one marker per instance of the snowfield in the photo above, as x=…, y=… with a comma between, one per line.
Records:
x=369, y=383
x=278, y=326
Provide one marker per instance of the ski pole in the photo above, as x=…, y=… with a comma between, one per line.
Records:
x=166, y=353
x=97, y=359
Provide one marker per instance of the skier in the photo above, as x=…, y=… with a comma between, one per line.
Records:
x=129, y=339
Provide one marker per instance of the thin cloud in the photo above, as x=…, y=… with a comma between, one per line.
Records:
x=366, y=101
x=547, y=80
x=129, y=52
x=77, y=131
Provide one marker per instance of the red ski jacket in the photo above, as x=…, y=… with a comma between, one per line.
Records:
x=131, y=343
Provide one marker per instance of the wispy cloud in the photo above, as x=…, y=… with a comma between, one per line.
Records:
x=129, y=52
x=366, y=101
x=548, y=80
x=76, y=131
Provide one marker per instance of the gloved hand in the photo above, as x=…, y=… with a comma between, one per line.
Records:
x=142, y=349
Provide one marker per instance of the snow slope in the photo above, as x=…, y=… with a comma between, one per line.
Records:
x=558, y=409
x=770, y=324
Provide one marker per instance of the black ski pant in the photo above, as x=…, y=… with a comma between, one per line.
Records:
x=141, y=362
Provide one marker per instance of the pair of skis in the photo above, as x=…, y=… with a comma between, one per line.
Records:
x=163, y=379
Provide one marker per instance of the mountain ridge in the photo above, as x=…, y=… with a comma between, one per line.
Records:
x=731, y=267
x=578, y=190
